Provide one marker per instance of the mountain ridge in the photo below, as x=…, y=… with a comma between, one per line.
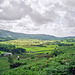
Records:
x=15, y=35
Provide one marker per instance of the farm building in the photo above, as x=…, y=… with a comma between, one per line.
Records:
x=6, y=54
x=31, y=52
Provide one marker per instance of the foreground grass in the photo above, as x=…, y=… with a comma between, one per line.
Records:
x=4, y=64
x=62, y=64
x=43, y=61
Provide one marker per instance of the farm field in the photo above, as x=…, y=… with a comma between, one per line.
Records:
x=31, y=45
x=42, y=57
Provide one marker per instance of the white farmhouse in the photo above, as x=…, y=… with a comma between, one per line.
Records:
x=7, y=54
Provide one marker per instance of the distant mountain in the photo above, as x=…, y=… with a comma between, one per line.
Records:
x=13, y=35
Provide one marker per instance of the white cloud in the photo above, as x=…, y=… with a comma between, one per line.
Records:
x=54, y=17
x=70, y=4
x=1, y=1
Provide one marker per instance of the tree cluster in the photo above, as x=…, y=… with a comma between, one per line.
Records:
x=11, y=48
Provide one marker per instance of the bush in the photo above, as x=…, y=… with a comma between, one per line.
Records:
x=18, y=50
x=56, y=52
x=17, y=64
x=35, y=68
x=10, y=60
x=32, y=57
x=6, y=47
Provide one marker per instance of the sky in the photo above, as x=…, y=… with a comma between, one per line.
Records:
x=51, y=17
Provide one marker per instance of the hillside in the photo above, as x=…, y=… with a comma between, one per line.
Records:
x=5, y=34
x=13, y=35
x=41, y=57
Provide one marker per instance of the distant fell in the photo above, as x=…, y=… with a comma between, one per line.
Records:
x=13, y=35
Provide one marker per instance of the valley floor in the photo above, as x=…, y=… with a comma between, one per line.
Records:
x=50, y=59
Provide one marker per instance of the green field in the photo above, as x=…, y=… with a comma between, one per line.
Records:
x=42, y=57
x=29, y=45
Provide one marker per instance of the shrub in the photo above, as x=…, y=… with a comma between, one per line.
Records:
x=35, y=68
x=56, y=52
x=32, y=57
x=17, y=64
x=10, y=60
x=18, y=50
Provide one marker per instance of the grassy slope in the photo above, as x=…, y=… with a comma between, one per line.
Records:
x=27, y=44
x=41, y=65
x=4, y=64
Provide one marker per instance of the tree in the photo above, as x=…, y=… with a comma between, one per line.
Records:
x=18, y=50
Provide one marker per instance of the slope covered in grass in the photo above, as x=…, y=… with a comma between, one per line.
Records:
x=62, y=64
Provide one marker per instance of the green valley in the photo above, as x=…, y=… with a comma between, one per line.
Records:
x=38, y=57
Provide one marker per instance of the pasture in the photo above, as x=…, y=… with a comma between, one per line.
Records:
x=42, y=57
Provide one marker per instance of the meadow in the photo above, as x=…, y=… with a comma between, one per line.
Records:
x=42, y=57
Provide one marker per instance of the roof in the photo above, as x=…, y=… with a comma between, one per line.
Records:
x=7, y=53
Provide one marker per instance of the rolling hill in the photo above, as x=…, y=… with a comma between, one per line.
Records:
x=13, y=35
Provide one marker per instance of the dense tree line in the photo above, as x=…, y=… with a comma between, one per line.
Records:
x=63, y=44
x=5, y=39
x=6, y=47
x=18, y=50
x=40, y=45
x=70, y=40
x=11, y=48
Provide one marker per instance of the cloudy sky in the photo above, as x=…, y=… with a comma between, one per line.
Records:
x=53, y=17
